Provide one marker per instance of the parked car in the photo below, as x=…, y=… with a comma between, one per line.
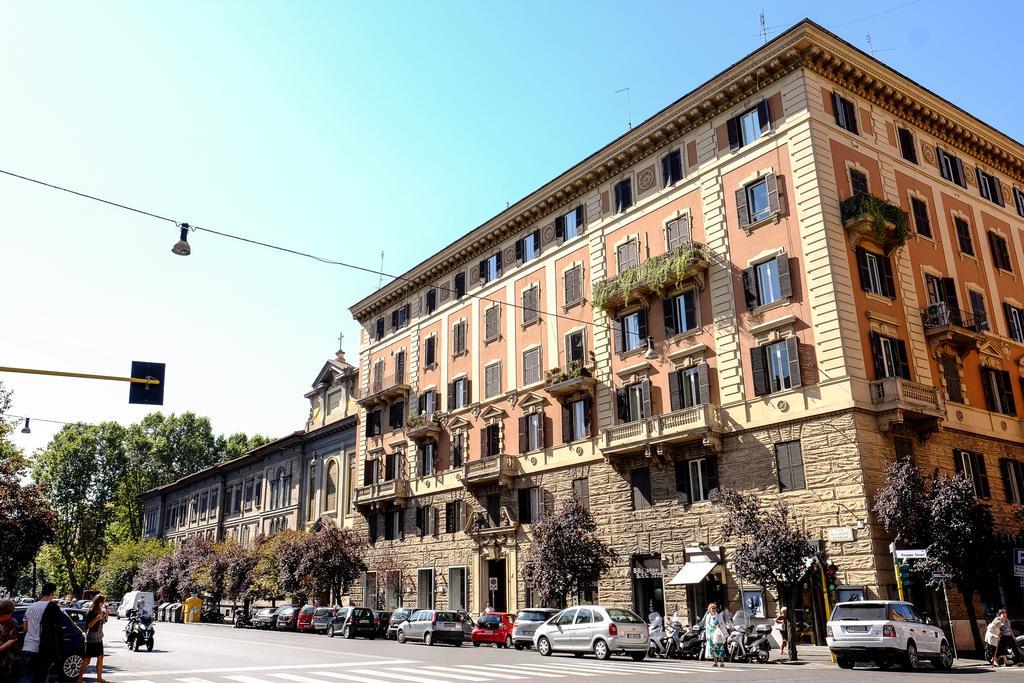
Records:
x=265, y=618
x=885, y=632
x=112, y=606
x=287, y=617
x=591, y=628
x=494, y=627
x=397, y=617
x=304, y=621
x=72, y=648
x=432, y=626
x=526, y=624
x=322, y=618
x=350, y=622
x=381, y=619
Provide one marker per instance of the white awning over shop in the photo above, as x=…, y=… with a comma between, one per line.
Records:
x=699, y=563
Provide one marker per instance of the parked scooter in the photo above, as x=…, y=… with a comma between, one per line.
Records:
x=243, y=618
x=139, y=631
x=747, y=644
x=691, y=645
x=674, y=638
x=656, y=643
x=211, y=615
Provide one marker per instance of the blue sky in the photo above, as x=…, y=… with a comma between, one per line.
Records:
x=338, y=128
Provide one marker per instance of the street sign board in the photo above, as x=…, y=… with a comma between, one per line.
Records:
x=911, y=554
x=147, y=394
x=840, y=534
x=1018, y=562
x=493, y=582
x=940, y=577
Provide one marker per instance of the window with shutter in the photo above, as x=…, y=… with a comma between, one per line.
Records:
x=431, y=300
x=459, y=338
x=581, y=489
x=429, y=351
x=950, y=167
x=922, y=223
x=681, y=313
x=790, y=466
x=972, y=464
x=1013, y=480
x=573, y=280
x=858, y=183
x=778, y=367
x=1018, y=200
x=988, y=187
x=677, y=233
x=531, y=366
x=631, y=331
x=1000, y=252
x=459, y=285
x=400, y=367
x=458, y=450
x=756, y=205
x=951, y=379
x=623, y=191
x=671, y=168
x=492, y=327
x=977, y=300
x=907, y=148
x=963, y=236
x=640, y=479
x=458, y=396
x=1014, y=321
x=626, y=255
x=492, y=380
x=531, y=299
x=998, y=391
x=574, y=348
x=846, y=113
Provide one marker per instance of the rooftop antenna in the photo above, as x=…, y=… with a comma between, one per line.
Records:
x=629, y=112
x=871, y=47
x=380, y=278
x=764, y=29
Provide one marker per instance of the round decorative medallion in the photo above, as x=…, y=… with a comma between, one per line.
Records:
x=646, y=179
x=782, y=405
x=533, y=460
x=510, y=255
x=1006, y=190
x=1002, y=423
x=549, y=234
x=960, y=415
x=969, y=177
x=929, y=152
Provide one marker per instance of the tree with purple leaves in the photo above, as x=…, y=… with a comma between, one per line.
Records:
x=566, y=553
x=772, y=551
x=331, y=560
x=26, y=521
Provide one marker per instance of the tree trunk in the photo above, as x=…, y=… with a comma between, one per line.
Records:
x=968, y=597
x=787, y=595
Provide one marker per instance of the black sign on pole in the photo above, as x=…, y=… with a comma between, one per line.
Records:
x=147, y=394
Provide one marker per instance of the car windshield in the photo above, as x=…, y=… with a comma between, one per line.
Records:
x=308, y=610
x=401, y=614
x=532, y=615
x=322, y=612
x=266, y=610
x=859, y=611
x=287, y=611
x=624, y=616
x=448, y=616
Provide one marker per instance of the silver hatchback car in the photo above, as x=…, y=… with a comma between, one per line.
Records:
x=592, y=628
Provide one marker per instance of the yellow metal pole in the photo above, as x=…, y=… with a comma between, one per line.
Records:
x=82, y=375
x=824, y=595
x=899, y=580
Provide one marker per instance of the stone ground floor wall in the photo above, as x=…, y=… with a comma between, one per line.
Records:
x=843, y=459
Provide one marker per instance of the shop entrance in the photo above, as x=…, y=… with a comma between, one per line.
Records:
x=648, y=587
x=810, y=610
x=496, y=585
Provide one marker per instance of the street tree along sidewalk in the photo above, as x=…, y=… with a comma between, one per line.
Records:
x=772, y=550
x=943, y=515
x=566, y=553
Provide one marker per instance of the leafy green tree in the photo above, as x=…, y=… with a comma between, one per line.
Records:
x=239, y=444
x=566, y=552
x=80, y=470
x=773, y=551
x=123, y=561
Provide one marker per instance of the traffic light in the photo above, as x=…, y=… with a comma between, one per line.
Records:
x=831, y=575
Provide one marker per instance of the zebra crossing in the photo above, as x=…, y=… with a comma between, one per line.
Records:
x=414, y=671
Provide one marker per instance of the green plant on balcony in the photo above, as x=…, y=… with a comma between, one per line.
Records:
x=882, y=214
x=574, y=371
x=657, y=273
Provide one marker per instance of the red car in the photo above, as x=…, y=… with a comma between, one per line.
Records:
x=304, y=622
x=495, y=627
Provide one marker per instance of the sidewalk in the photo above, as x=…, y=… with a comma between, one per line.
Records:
x=806, y=654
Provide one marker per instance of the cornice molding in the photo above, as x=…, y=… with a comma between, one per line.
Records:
x=806, y=45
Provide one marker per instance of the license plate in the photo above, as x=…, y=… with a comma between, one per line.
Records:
x=449, y=626
x=857, y=629
x=633, y=635
x=489, y=632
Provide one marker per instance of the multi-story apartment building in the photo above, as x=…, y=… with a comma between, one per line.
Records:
x=289, y=483
x=804, y=268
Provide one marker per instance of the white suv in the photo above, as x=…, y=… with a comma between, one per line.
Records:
x=885, y=632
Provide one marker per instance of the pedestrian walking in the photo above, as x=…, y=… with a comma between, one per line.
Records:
x=94, y=620
x=8, y=643
x=783, y=621
x=714, y=629
x=43, y=635
x=1000, y=635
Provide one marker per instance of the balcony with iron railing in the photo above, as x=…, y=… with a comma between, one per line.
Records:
x=657, y=274
x=945, y=322
x=867, y=216
x=679, y=426
x=384, y=389
x=489, y=470
x=899, y=400
x=389, y=491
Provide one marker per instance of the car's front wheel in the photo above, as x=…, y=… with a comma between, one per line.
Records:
x=401, y=636
x=945, y=659
x=910, y=659
x=347, y=632
x=601, y=650
x=71, y=666
x=428, y=638
x=508, y=641
x=330, y=631
x=544, y=647
x=844, y=662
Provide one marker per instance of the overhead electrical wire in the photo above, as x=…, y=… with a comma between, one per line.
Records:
x=193, y=227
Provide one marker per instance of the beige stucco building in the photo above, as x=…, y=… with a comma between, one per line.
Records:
x=705, y=302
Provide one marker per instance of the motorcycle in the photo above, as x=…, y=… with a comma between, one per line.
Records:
x=139, y=631
x=692, y=644
x=656, y=645
x=673, y=639
x=211, y=616
x=749, y=646
x=243, y=618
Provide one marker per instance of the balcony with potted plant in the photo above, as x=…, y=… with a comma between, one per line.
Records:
x=655, y=275
x=574, y=379
x=866, y=216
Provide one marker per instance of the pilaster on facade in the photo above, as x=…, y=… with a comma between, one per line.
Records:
x=728, y=357
x=605, y=391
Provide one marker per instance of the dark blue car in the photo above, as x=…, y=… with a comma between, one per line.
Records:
x=73, y=650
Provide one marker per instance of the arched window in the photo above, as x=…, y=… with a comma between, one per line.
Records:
x=332, y=486
x=278, y=494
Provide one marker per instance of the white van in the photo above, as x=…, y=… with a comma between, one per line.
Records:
x=140, y=600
